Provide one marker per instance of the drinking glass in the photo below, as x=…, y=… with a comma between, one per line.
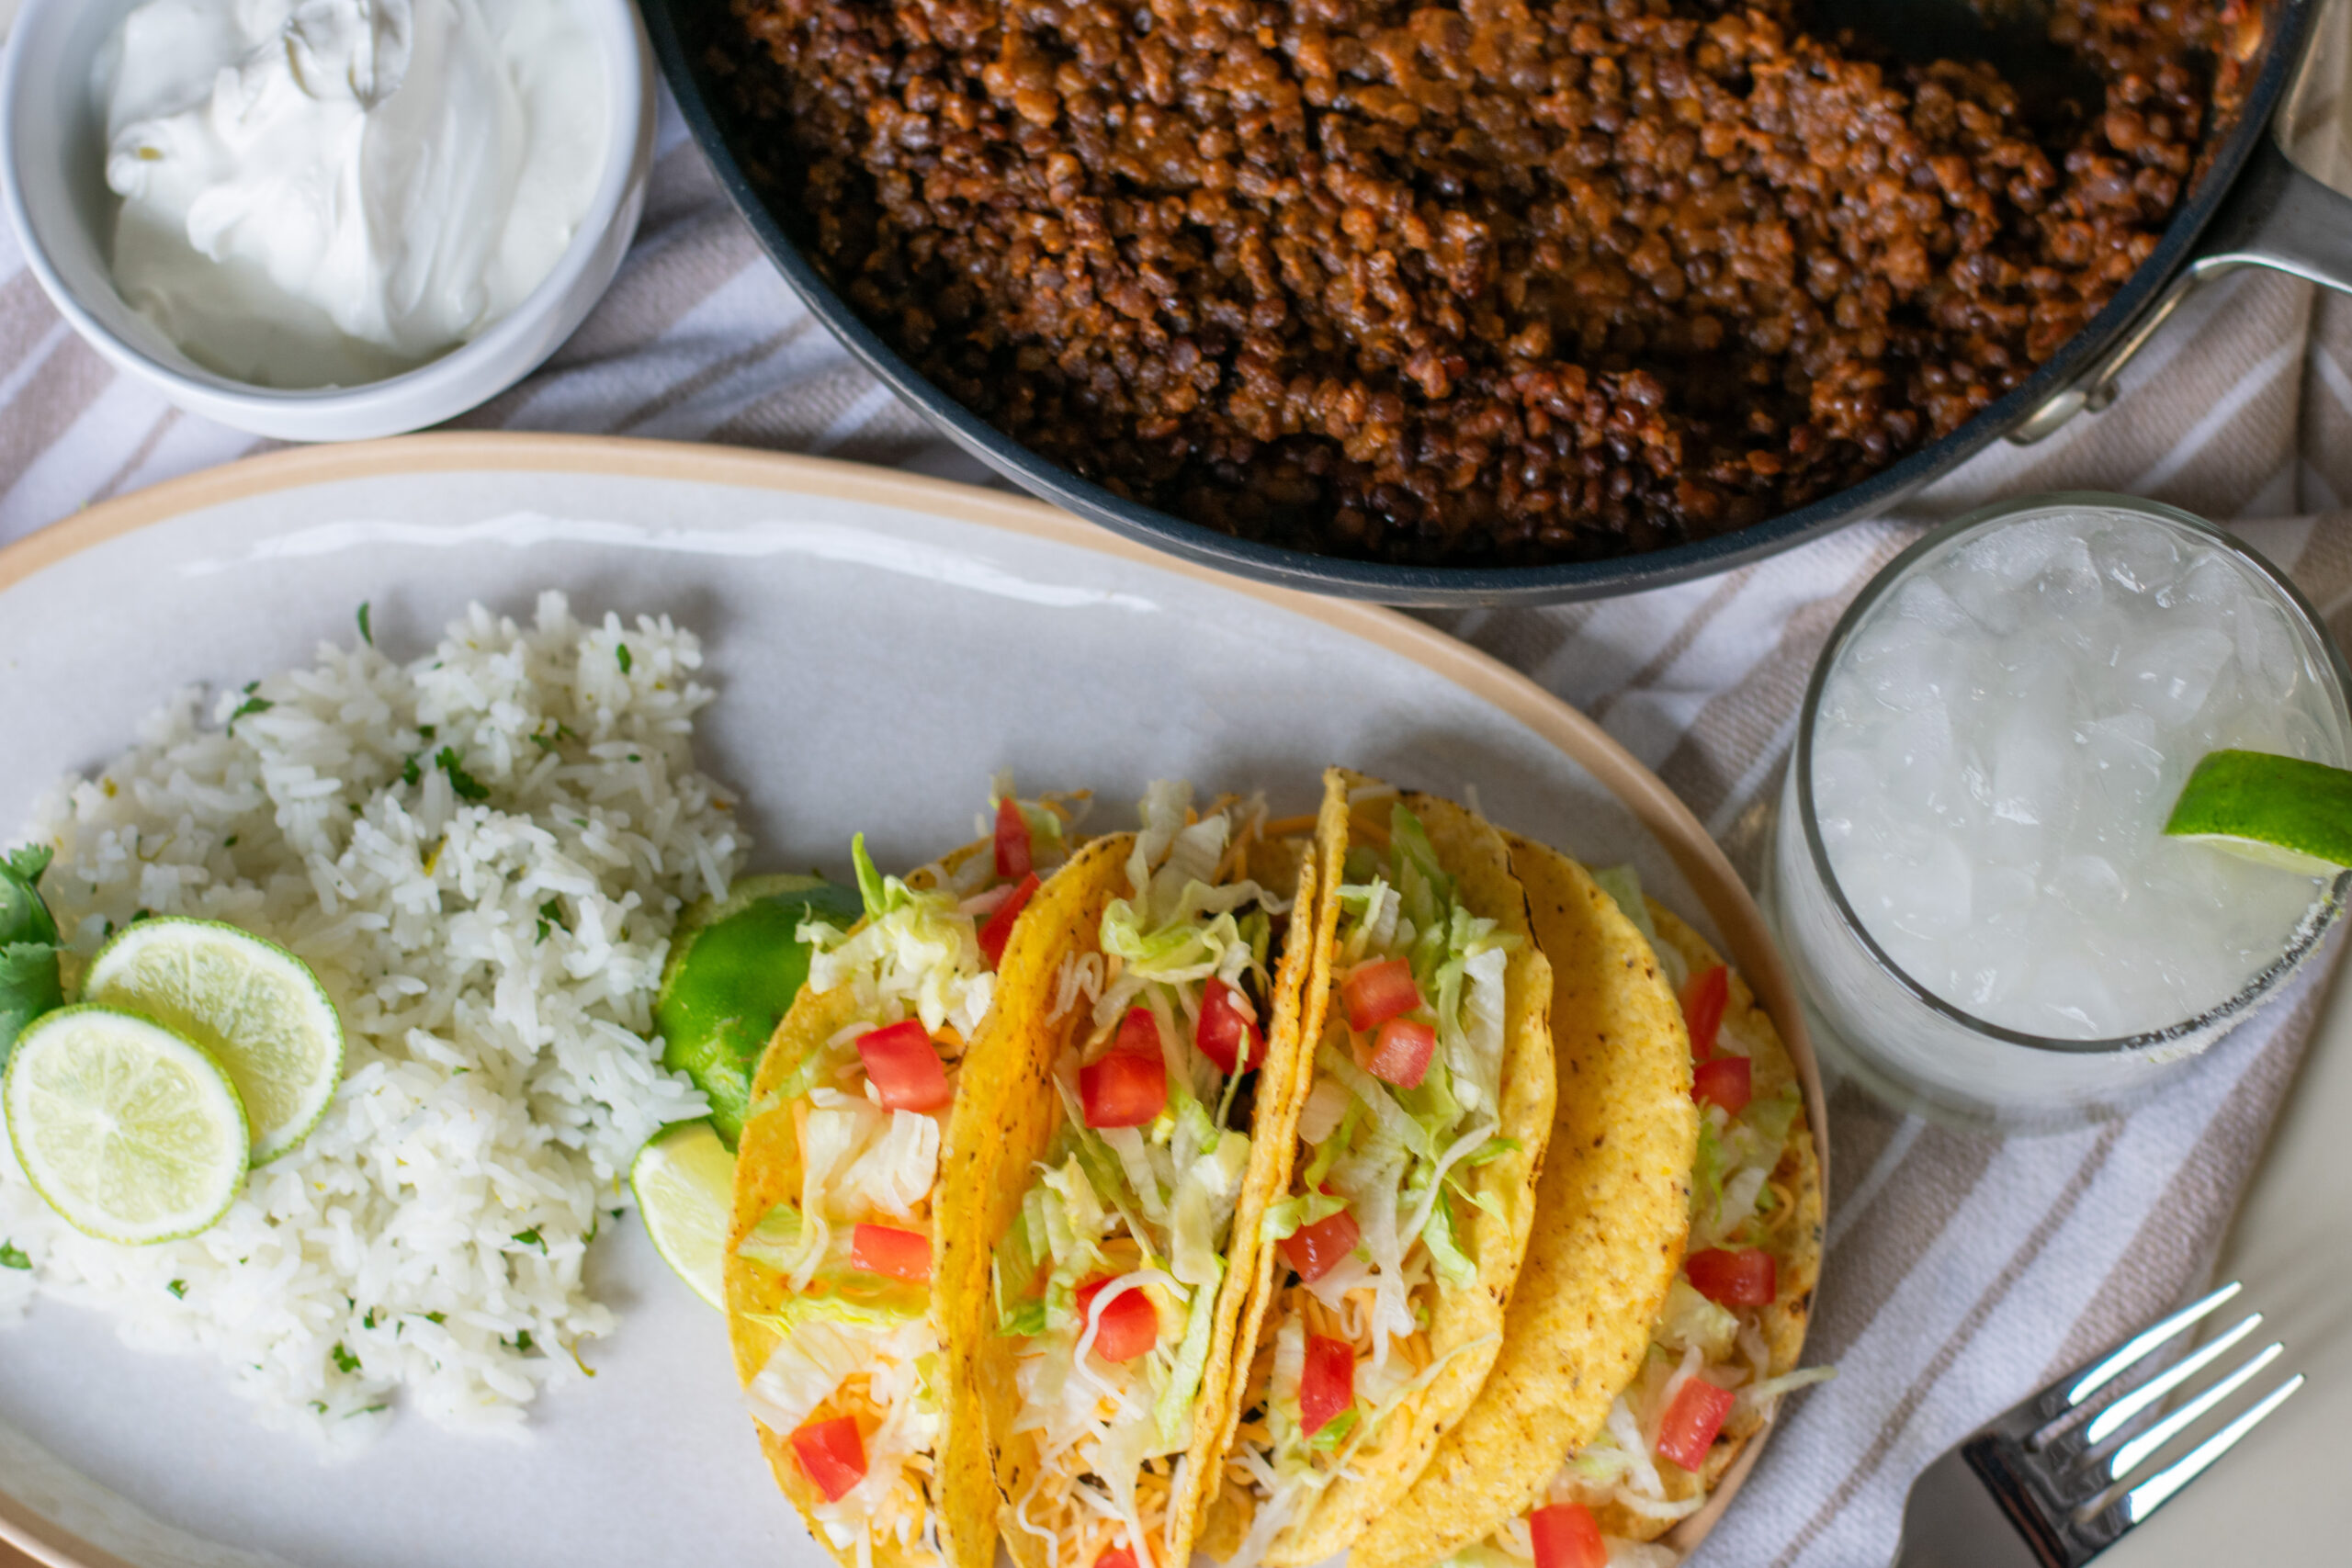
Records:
x=1902, y=1040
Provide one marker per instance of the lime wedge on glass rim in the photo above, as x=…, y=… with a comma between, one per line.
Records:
x=684, y=1179
x=257, y=1008
x=2281, y=811
x=130, y=1133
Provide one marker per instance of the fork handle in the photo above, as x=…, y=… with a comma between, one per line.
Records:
x=1958, y=1524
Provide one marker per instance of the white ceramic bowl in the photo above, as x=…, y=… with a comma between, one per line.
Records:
x=53, y=155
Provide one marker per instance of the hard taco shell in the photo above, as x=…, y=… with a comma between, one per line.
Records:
x=767, y=1172
x=1795, y=1239
x=1611, y=1210
x=1006, y=1112
x=1466, y=1325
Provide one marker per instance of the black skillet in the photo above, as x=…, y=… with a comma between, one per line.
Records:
x=2251, y=207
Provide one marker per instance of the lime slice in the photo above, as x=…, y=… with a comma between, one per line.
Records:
x=683, y=1179
x=2281, y=811
x=252, y=1004
x=130, y=1132
x=733, y=969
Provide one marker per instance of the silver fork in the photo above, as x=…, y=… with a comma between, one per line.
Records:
x=2044, y=1485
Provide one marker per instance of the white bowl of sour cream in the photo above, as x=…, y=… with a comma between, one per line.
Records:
x=327, y=220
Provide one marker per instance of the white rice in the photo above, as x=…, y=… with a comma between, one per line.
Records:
x=494, y=962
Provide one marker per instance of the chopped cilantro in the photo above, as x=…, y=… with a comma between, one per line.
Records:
x=544, y=742
x=426, y=731
x=178, y=1289
x=621, y=650
x=467, y=786
x=551, y=917
x=230, y=842
x=368, y=1321
x=410, y=773
x=13, y=1257
x=522, y=1341
x=531, y=1238
x=344, y=1361
x=365, y=1410
x=365, y=635
x=436, y=1317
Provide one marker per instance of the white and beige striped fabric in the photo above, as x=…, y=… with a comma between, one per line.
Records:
x=1962, y=1270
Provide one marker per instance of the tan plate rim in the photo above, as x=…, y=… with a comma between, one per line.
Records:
x=1658, y=810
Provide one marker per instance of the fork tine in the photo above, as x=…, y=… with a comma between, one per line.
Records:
x=2140, y=1450
x=2113, y=1419
x=2151, y=1494
x=2080, y=1386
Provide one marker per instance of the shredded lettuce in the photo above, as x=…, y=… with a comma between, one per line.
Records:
x=1689, y=1318
x=1453, y=1265
x=1173, y=1410
x=1290, y=1215
x=1390, y=1118
x=1334, y=1432
x=870, y=885
x=1624, y=885
x=1707, y=1173
x=807, y=1365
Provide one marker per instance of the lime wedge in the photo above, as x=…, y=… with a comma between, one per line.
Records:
x=255, y=1007
x=131, y=1134
x=733, y=969
x=684, y=1179
x=2281, y=811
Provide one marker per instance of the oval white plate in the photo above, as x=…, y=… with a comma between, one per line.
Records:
x=881, y=644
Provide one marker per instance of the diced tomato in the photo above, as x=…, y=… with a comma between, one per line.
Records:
x=1567, y=1536
x=1703, y=1000
x=886, y=1249
x=832, y=1455
x=1128, y=1085
x=1139, y=1032
x=904, y=1070
x=1326, y=1383
x=1727, y=1081
x=1315, y=1250
x=1401, y=1052
x=1224, y=1027
x=1746, y=1278
x=1012, y=857
x=1115, y=1555
x=1378, y=992
x=1692, y=1422
x=1129, y=1326
x=999, y=930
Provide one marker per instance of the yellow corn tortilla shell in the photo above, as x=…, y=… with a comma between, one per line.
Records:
x=1466, y=1325
x=1794, y=1238
x=1006, y=1114
x=768, y=1172
x=1611, y=1210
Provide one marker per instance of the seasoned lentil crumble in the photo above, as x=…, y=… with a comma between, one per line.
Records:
x=1486, y=283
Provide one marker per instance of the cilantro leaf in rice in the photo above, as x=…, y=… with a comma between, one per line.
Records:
x=400, y=827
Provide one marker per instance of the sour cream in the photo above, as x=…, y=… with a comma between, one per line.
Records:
x=328, y=192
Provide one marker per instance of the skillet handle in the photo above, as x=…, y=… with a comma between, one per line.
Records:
x=2276, y=217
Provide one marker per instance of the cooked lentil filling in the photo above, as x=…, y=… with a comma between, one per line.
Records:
x=1486, y=283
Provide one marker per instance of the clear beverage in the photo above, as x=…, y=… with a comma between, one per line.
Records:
x=1970, y=867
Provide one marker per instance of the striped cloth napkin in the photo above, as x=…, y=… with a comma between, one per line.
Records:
x=1962, y=1270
